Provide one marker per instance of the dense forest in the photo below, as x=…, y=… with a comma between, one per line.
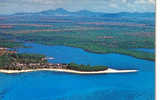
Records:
x=82, y=67
x=98, y=35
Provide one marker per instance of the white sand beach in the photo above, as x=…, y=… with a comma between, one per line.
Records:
x=109, y=70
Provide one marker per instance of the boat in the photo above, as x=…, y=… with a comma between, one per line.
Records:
x=50, y=58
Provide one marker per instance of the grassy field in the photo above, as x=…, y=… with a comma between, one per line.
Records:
x=98, y=35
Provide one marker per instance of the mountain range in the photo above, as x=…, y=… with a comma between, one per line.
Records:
x=86, y=13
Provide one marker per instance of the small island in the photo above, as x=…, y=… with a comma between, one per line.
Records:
x=12, y=62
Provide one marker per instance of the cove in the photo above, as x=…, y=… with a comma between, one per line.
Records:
x=45, y=85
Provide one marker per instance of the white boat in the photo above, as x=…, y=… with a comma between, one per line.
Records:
x=50, y=58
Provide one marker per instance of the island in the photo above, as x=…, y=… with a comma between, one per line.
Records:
x=13, y=62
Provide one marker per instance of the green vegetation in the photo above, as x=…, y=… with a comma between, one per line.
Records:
x=93, y=41
x=28, y=58
x=9, y=61
x=5, y=61
x=8, y=41
x=9, y=44
x=98, y=35
x=35, y=61
x=82, y=67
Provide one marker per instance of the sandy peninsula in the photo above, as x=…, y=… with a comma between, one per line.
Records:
x=109, y=70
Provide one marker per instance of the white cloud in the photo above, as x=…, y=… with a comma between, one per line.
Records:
x=145, y=1
x=47, y=1
x=141, y=2
x=124, y=1
x=14, y=6
x=113, y=5
x=152, y=1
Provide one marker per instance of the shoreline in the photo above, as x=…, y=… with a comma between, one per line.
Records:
x=109, y=70
x=106, y=52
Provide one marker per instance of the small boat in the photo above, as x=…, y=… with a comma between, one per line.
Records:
x=50, y=58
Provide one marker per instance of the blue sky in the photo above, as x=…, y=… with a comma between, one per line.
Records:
x=109, y=6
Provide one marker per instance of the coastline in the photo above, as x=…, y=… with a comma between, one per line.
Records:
x=109, y=70
x=107, y=52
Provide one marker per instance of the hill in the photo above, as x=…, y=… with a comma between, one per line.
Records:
x=86, y=13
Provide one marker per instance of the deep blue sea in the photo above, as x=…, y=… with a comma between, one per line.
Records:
x=45, y=85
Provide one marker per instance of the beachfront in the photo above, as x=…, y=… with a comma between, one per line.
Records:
x=109, y=70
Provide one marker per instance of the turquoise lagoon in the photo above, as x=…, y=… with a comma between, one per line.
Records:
x=46, y=85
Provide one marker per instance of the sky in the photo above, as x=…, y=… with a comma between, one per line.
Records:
x=108, y=6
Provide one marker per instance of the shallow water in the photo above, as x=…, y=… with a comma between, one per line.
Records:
x=145, y=50
x=64, y=86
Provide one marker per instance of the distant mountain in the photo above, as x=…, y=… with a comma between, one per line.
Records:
x=59, y=11
x=128, y=14
x=63, y=12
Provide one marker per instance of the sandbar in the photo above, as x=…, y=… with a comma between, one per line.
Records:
x=109, y=70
